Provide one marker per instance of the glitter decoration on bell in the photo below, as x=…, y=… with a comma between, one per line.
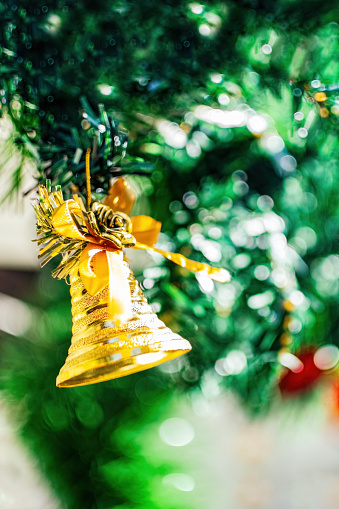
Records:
x=103, y=348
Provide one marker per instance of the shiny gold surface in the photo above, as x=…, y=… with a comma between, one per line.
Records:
x=67, y=228
x=103, y=349
x=115, y=332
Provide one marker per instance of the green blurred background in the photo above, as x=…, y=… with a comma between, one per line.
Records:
x=231, y=110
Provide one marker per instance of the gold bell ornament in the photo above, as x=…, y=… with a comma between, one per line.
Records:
x=115, y=331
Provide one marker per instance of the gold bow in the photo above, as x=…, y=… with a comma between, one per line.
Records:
x=95, y=240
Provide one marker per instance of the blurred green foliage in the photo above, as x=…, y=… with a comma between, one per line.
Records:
x=236, y=105
x=87, y=440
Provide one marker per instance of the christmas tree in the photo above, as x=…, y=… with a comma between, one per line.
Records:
x=224, y=117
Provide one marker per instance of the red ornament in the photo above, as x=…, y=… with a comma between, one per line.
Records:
x=305, y=378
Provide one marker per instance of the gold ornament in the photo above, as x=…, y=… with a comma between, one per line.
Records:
x=115, y=331
x=103, y=349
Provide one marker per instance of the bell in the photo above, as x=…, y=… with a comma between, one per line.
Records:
x=103, y=348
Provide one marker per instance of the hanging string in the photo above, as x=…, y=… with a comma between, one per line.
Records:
x=88, y=177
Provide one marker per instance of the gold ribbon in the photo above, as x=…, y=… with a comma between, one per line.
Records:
x=101, y=262
x=99, y=268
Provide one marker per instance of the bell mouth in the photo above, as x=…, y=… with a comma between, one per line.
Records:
x=116, y=365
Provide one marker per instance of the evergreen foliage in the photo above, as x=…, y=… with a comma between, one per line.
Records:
x=231, y=110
